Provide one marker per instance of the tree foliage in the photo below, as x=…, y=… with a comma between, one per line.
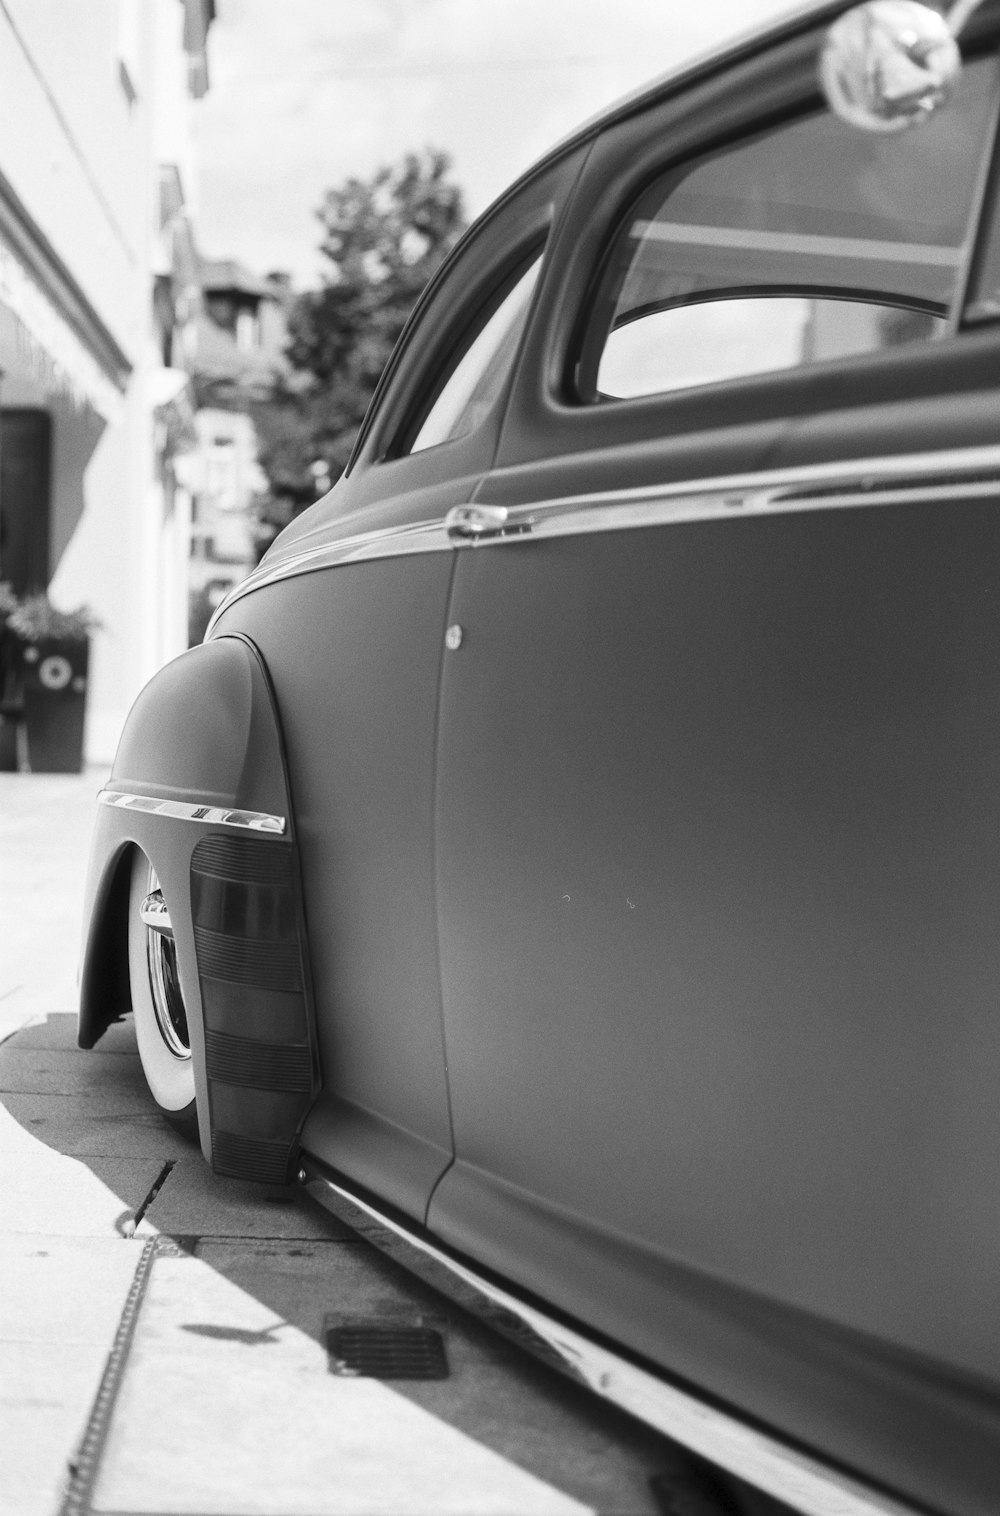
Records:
x=383, y=237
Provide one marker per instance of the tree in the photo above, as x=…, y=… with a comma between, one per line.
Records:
x=383, y=237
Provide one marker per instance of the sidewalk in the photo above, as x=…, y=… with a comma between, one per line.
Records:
x=66, y=1270
x=182, y=1369
x=45, y=826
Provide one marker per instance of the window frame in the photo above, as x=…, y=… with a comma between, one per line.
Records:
x=526, y=214
x=469, y=323
x=986, y=241
x=594, y=320
x=702, y=431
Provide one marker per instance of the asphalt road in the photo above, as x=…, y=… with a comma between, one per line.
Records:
x=162, y=1329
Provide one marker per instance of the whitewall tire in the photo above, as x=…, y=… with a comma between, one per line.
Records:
x=161, y=1029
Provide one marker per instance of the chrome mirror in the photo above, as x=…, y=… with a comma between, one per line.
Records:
x=890, y=64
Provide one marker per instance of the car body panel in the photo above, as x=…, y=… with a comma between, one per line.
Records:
x=355, y=655
x=199, y=786
x=202, y=731
x=718, y=892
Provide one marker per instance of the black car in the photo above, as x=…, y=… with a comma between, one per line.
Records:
x=575, y=852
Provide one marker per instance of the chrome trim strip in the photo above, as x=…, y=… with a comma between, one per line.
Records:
x=153, y=913
x=953, y=474
x=947, y=475
x=181, y=810
x=387, y=542
x=804, y=1483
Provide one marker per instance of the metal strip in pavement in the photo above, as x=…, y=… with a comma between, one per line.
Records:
x=83, y=1469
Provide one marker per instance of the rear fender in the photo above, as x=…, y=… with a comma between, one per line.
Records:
x=199, y=785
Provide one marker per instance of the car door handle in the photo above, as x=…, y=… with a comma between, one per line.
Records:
x=476, y=522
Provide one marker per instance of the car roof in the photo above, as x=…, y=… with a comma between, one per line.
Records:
x=743, y=43
x=798, y=18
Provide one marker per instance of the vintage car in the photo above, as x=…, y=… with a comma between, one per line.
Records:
x=574, y=853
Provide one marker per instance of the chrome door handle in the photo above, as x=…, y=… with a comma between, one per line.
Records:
x=473, y=523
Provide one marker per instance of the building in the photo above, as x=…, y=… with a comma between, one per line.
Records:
x=238, y=351
x=97, y=188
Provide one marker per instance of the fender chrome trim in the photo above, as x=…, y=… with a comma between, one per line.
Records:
x=182, y=810
x=785, y=1473
x=949, y=474
x=387, y=542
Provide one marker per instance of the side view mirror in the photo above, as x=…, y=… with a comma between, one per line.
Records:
x=890, y=64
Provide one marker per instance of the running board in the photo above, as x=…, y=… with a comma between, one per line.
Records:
x=804, y=1483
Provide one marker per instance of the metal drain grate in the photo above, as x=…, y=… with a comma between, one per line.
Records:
x=386, y=1352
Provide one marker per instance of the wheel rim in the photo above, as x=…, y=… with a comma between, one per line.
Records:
x=165, y=989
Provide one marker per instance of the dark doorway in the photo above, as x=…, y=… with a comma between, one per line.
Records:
x=25, y=487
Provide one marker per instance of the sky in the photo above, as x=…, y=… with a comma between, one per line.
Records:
x=309, y=92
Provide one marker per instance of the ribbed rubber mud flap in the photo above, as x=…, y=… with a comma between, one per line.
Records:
x=259, y=1049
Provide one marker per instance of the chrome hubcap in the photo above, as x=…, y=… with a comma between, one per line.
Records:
x=164, y=979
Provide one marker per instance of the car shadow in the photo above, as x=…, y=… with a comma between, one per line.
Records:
x=308, y=1270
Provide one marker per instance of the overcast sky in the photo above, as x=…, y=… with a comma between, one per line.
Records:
x=306, y=93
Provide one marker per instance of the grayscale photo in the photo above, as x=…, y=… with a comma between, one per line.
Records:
x=499, y=758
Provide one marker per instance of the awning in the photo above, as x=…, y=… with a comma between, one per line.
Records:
x=53, y=352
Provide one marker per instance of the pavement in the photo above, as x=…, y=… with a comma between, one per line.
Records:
x=162, y=1330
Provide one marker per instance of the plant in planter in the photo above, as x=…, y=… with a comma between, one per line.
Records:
x=54, y=648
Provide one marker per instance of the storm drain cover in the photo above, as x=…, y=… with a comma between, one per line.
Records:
x=367, y=1351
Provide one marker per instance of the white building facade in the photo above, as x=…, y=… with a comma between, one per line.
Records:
x=93, y=401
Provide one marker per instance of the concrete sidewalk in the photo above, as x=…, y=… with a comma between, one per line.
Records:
x=45, y=826
x=66, y=1269
x=178, y=1365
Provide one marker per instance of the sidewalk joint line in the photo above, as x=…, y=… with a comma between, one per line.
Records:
x=129, y=1228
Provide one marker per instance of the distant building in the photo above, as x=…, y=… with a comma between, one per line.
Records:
x=238, y=351
x=96, y=312
x=242, y=331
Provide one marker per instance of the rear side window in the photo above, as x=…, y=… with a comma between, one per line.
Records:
x=809, y=242
x=480, y=366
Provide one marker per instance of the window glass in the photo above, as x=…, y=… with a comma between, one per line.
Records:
x=476, y=379
x=809, y=242
x=704, y=343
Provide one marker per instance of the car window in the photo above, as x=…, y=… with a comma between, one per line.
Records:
x=478, y=373
x=809, y=242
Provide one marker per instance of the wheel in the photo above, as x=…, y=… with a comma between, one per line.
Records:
x=161, y=1027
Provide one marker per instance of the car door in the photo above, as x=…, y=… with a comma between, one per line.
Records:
x=718, y=780
x=348, y=611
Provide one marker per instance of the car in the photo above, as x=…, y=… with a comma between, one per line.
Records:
x=573, y=852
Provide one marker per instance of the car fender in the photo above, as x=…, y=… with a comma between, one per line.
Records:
x=199, y=785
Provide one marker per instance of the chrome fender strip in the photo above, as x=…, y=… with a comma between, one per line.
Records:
x=948, y=474
x=361, y=547
x=804, y=1483
x=182, y=810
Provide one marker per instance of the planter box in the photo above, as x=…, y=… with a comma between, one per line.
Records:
x=10, y=698
x=54, y=686
x=8, y=745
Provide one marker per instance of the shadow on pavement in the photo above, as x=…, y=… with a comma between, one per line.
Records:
x=278, y=1251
